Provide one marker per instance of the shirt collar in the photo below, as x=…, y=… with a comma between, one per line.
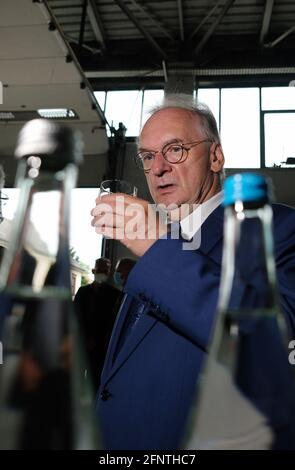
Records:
x=192, y=222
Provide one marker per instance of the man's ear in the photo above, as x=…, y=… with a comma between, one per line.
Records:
x=216, y=157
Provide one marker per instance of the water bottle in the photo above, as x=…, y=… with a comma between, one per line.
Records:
x=246, y=394
x=45, y=400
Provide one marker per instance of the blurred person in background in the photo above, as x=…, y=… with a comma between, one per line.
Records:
x=122, y=270
x=95, y=305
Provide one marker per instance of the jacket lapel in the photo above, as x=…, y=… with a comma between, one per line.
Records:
x=212, y=232
x=124, y=308
x=211, y=235
x=115, y=359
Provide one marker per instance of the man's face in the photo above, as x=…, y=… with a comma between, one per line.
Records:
x=102, y=266
x=124, y=268
x=186, y=182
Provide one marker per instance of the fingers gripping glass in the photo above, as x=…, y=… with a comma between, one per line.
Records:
x=173, y=153
x=117, y=186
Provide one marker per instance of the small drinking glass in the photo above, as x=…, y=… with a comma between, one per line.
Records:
x=117, y=186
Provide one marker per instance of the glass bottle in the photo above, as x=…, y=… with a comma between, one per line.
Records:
x=45, y=400
x=246, y=391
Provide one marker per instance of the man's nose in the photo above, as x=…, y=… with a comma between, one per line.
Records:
x=160, y=165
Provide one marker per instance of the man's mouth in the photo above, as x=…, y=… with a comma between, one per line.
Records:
x=163, y=188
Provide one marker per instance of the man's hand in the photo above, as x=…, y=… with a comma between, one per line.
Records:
x=131, y=220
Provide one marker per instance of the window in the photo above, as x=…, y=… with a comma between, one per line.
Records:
x=124, y=107
x=83, y=238
x=279, y=138
x=277, y=98
x=278, y=111
x=210, y=96
x=240, y=114
x=101, y=99
x=150, y=99
x=240, y=127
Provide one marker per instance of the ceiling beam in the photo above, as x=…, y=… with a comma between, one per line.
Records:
x=194, y=32
x=164, y=68
x=152, y=17
x=266, y=20
x=214, y=26
x=83, y=21
x=180, y=17
x=96, y=23
x=93, y=50
x=280, y=38
x=139, y=26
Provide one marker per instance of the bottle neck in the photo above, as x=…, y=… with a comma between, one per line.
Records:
x=248, y=256
x=37, y=260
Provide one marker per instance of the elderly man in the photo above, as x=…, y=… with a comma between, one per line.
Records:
x=160, y=338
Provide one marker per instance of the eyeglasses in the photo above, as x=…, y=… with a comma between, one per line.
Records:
x=173, y=153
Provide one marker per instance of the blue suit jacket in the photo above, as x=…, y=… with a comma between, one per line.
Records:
x=148, y=385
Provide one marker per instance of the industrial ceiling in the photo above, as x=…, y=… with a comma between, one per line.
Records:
x=39, y=71
x=52, y=52
x=141, y=42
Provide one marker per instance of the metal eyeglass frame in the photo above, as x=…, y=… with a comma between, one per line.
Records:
x=164, y=151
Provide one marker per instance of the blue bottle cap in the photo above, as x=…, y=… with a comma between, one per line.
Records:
x=245, y=187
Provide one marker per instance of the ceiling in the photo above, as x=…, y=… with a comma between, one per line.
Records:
x=122, y=43
x=37, y=71
x=53, y=51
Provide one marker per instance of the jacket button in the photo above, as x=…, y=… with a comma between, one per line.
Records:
x=105, y=395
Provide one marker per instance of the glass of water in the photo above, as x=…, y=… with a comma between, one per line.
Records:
x=117, y=186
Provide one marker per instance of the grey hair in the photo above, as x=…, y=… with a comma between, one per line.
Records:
x=188, y=103
x=193, y=106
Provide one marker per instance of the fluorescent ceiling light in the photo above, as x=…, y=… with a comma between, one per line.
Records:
x=57, y=113
x=26, y=115
x=6, y=116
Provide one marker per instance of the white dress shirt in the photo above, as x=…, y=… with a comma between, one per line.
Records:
x=192, y=223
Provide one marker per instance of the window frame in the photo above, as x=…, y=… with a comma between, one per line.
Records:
x=262, y=132
x=262, y=112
